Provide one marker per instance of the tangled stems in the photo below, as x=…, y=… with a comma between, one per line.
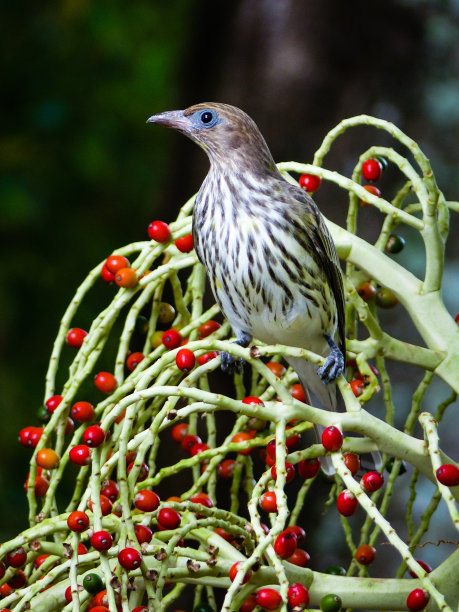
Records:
x=226, y=523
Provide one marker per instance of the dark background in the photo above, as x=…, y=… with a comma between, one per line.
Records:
x=82, y=174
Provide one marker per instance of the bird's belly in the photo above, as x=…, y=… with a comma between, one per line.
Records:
x=269, y=316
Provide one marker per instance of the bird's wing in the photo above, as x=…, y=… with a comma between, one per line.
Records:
x=325, y=253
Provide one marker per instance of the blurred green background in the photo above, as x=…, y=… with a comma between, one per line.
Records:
x=82, y=174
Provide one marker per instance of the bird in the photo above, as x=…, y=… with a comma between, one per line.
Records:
x=269, y=257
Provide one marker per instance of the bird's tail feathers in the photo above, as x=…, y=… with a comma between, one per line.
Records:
x=325, y=397
x=317, y=395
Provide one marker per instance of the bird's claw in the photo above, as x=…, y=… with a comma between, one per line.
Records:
x=230, y=364
x=333, y=366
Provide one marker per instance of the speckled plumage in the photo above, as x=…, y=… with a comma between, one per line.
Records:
x=270, y=259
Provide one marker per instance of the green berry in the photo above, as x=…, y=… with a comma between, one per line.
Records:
x=395, y=244
x=93, y=583
x=335, y=570
x=330, y=603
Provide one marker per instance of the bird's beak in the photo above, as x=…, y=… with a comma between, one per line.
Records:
x=171, y=119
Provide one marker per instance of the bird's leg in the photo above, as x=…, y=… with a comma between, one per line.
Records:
x=230, y=363
x=334, y=364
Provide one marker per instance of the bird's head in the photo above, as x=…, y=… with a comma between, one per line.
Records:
x=227, y=134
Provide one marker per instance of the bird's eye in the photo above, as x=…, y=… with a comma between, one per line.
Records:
x=207, y=116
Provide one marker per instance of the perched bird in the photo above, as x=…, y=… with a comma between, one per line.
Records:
x=269, y=256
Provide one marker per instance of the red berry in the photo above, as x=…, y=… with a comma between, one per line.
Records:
x=197, y=448
x=126, y=277
x=106, y=505
x=185, y=360
x=29, y=436
x=171, y=338
x=17, y=580
x=242, y=436
x=298, y=531
x=68, y=592
x=203, y=499
x=310, y=182
x=53, y=402
x=179, y=431
x=288, y=468
x=268, y=501
x=352, y=462
x=425, y=566
x=168, y=518
x=75, y=337
x=129, y=558
x=106, y=275
x=332, y=438
x=82, y=411
x=371, y=481
x=133, y=360
x=101, y=540
x=110, y=489
x=189, y=441
x=234, y=569
x=78, y=521
x=276, y=368
x=357, y=386
x=159, y=231
x=37, y=562
x=249, y=604
x=16, y=558
x=140, y=609
x=417, y=600
x=250, y=399
x=41, y=484
x=298, y=393
x=285, y=544
x=365, y=554
x=208, y=328
x=143, y=534
x=292, y=441
x=226, y=468
x=184, y=244
x=448, y=475
x=203, y=359
x=223, y=534
x=143, y=472
x=373, y=190
x=94, y=436
x=146, y=500
x=300, y=558
x=271, y=449
x=80, y=454
x=105, y=382
x=308, y=468
x=298, y=595
x=372, y=169
x=116, y=262
x=346, y=503
x=366, y=291
x=82, y=550
x=268, y=599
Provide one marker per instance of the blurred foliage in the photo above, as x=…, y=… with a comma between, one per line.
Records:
x=81, y=173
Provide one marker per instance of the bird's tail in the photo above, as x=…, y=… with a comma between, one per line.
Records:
x=324, y=397
x=318, y=395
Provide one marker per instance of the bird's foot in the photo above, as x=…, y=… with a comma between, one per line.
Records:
x=334, y=364
x=231, y=364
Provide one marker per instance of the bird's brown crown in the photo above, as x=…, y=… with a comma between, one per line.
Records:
x=235, y=137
